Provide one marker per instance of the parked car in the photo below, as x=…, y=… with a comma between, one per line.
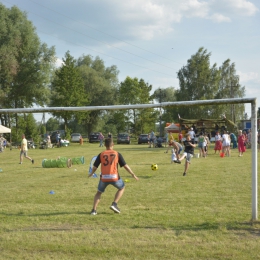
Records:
x=93, y=137
x=75, y=137
x=143, y=139
x=123, y=138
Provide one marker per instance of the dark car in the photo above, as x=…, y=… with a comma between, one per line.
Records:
x=143, y=139
x=93, y=137
x=123, y=138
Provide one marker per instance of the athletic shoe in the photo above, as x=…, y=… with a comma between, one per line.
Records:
x=20, y=163
x=177, y=161
x=93, y=212
x=115, y=208
x=184, y=174
x=32, y=161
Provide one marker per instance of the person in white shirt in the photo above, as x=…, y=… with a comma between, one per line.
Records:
x=192, y=134
x=226, y=143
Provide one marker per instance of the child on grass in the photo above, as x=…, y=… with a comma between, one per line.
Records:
x=188, y=152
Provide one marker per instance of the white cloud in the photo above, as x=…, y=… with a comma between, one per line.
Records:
x=243, y=7
x=219, y=18
x=58, y=62
x=248, y=76
x=147, y=19
x=194, y=8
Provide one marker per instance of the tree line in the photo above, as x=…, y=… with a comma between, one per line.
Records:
x=28, y=77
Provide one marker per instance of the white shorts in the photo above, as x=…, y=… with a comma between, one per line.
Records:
x=226, y=143
x=188, y=156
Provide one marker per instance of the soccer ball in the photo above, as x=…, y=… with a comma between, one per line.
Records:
x=154, y=167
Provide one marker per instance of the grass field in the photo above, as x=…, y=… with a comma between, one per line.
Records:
x=205, y=215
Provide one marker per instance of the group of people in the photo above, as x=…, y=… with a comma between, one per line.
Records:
x=153, y=141
x=241, y=141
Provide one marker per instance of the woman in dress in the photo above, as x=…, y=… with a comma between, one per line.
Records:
x=241, y=143
x=218, y=143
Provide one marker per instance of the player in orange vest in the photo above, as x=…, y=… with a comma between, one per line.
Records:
x=109, y=160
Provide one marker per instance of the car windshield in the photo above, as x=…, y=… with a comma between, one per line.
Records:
x=75, y=135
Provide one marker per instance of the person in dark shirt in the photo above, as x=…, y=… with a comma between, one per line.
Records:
x=109, y=160
x=188, y=152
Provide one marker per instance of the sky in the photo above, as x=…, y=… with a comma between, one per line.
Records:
x=152, y=39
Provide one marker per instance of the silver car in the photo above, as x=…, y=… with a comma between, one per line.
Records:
x=75, y=137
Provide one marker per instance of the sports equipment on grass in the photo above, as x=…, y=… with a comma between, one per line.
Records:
x=91, y=166
x=62, y=162
x=154, y=167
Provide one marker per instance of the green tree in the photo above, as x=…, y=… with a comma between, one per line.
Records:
x=28, y=126
x=52, y=124
x=229, y=87
x=197, y=81
x=100, y=84
x=134, y=91
x=25, y=63
x=68, y=90
x=168, y=114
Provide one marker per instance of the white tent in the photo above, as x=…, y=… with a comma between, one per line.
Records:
x=4, y=129
x=172, y=127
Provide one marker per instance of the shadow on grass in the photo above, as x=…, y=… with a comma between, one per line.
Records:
x=251, y=226
x=22, y=214
x=145, y=177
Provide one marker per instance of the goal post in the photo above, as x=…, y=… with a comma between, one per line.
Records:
x=252, y=101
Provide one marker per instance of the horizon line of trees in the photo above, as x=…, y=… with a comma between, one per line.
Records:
x=28, y=77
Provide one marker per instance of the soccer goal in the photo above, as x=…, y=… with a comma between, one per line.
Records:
x=252, y=101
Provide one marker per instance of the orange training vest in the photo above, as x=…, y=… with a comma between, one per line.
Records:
x=109, y=161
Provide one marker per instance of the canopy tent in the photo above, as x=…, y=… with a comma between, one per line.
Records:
x=4, y=130
x=172, y=128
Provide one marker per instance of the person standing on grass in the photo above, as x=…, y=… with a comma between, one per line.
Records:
x=180, y=136
x=202, y=144
x=188, y=152
x=24, y=150
x=218, y=142
x=226, y=143
x=100, y=138
x=109, y=160
x=192, y=134
x=233, y=140
x=151, y=140
x=241, y=143
x=206, y=148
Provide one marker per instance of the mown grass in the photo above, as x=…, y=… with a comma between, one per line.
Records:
x=205, y=215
